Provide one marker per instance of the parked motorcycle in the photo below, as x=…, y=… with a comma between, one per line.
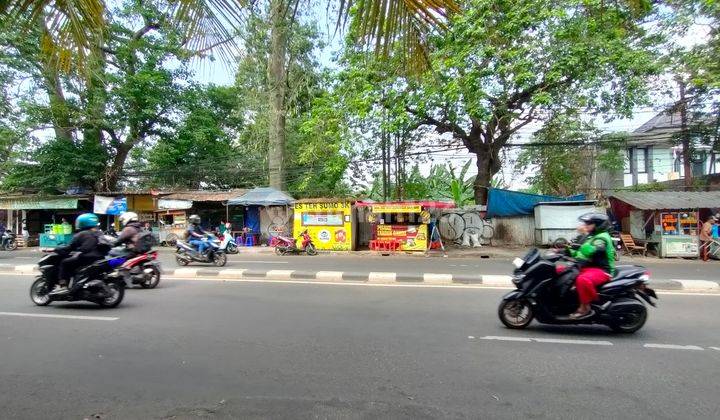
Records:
x=546, y=292
x=187, y=253
x=92, y=283
x=9, y=242
x=227, y=244
x=287, y=245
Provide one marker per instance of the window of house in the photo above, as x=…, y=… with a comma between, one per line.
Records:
x=641, y=160
x=628, y=153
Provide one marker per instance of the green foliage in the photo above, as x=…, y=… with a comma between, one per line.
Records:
x=649, y=187
x=564, y=154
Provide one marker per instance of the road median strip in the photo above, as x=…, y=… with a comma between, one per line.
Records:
x=375, y=277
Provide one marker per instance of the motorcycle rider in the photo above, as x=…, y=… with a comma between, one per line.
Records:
x=196, y=235
x=596, y=258
x=85, y=242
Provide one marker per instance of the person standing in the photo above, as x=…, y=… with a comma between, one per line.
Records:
x=706, y=237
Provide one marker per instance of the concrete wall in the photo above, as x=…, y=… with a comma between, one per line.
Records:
x=518, y=230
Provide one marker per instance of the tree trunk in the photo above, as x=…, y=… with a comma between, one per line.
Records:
x=114, y=172
x=277, y=91
x=484, y=174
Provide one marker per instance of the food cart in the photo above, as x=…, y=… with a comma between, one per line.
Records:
x=401, y=226
x=668, y=221
x=329, y=223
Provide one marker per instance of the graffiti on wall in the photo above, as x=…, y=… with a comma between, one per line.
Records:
x=465, y=228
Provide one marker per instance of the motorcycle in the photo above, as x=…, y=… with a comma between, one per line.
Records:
x=287, y=245
x=228, y=245
x=92, y=283
x=187, y=253
x=142, y=268
x=9, y=242
x=546, y=292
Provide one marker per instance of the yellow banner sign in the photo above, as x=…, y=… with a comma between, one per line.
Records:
x=396, y=208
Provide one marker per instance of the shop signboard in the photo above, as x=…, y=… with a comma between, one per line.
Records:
x=396, y=208
x=109, y=205
x=413, y=237
x=328, y=224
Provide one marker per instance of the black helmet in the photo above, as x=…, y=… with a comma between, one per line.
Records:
x=599, y=220
x=194, y=219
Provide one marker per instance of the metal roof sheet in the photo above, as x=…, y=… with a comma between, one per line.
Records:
x=669, y=199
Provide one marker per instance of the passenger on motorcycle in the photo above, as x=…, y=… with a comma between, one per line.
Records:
x=85, y=243
x=196, y=235
x=596, y=258
x=130, y=223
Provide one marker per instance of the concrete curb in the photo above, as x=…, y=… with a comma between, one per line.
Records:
x=490, y=280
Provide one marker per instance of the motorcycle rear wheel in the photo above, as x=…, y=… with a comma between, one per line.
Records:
x=220, y=260
x=153, y=281
x=118, y=289
x=510, y=313
x=279, y=250
x=181, y=261
x=630, y=325
x=11, y=245
x=40, y=292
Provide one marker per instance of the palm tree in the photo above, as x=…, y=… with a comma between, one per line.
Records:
x=75, y=29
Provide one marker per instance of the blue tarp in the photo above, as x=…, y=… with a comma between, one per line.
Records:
x=506, y=203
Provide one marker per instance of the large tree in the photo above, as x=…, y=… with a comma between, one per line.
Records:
x=505, y=64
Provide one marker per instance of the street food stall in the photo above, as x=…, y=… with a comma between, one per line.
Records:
x=268, y=214
x=401, y=226
x=329, y=223
x=668, y=221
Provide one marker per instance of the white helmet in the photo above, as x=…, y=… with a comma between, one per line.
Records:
x=128, y=217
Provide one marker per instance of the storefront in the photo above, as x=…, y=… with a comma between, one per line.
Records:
x=328, y=222
x=45, y=217
x=268, y=214
x=669, y=222
x=402, y=226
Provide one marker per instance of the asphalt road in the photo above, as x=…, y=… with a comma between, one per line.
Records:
x=661, y=270
x=206, y=349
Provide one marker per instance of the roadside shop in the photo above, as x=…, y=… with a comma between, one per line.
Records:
x=329, y=222
x=48, y=219
x=403, y=225
x=668, y=222
x=267, y=212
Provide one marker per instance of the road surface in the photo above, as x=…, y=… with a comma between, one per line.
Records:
x=208, y=349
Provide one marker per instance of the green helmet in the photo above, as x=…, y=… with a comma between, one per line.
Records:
x=86, y=221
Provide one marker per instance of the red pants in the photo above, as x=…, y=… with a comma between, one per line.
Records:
x=587, y=282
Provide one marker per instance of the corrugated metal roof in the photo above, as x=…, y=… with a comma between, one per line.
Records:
x=205, y=195
x=669, y=199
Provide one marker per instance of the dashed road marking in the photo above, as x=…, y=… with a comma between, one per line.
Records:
x=715, y=348
x=672, y=347
x=569, y=341
x=83, y=317
x=498, y=338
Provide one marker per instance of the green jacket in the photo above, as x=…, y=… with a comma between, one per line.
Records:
x=597, y=251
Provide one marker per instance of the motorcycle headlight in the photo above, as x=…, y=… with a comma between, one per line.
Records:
x=518, y=262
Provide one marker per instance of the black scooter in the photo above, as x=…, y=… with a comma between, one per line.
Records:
x=548, y=294
x=94, y=283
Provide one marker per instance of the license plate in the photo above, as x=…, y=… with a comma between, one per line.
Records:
x=518, y=262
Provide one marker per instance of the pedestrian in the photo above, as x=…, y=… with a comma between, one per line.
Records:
x=24, y=231
x=706, y=237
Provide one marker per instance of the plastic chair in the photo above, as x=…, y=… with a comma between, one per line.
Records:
x=239, y=241
x=250, y=240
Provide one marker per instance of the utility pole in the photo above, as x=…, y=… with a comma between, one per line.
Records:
x=685, y=134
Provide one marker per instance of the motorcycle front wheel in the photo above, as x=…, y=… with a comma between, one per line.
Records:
x=515, y=314
x=11, y=245
x=180, y=260
x=40, y=292
x=310, y=249
x=117, y=290
x=220, y=259
x=232, y=248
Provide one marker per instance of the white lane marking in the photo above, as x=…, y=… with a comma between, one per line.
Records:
x=715, y=348
x=259, y=262
x=327, y=282
x=26, y=268
x=498, y=338
x=381, y=277
x=88, y=318
x=672, y=347
x=698, y=284
x=548, y=340
x=569, y=341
